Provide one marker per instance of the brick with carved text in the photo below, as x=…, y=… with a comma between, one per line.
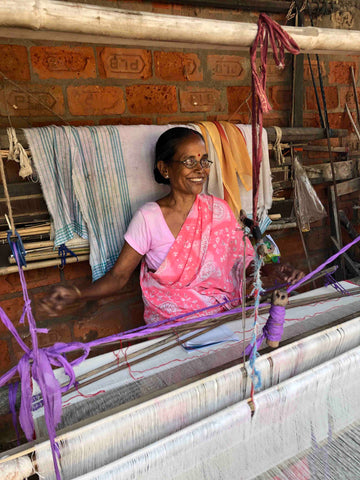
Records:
x=38, y=100
x=63, y=62
x=200, y=100
x=177, y=66
x=95, y=100
x=227, y=67
x=145, y=99
x=280, y=97
x=126, y=63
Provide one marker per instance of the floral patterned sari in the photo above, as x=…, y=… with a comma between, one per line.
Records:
x=203, y=267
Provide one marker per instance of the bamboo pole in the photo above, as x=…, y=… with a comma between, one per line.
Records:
x=44, y=264
x=60, y=20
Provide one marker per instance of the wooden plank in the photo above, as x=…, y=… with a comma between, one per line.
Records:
x=21, y=188
x=344, y=188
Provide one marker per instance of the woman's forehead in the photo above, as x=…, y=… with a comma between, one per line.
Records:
x=191, y=146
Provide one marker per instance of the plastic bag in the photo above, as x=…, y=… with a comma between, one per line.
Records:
x=307, y=205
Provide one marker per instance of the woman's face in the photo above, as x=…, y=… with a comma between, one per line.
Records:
x=188, y=181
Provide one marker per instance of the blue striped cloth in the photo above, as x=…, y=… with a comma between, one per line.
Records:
x=83, y=178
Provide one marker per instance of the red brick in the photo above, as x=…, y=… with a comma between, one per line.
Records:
x=63, y=62
x=124, y=63
x=346, y=95
x=182, y=119
x=126, y=121
x=4, y=357
x=95, y=100
x=77, y=270
x=34, y=278
x=277, y=74
x=239, y=99
x=331, y=97
x=340, y=120
x=13, y=308
x=14, y=62
x=145, y=99
x=57, y=333
x=177, y=66
x=280, y=119
x=314, y=66
x=102, y=324
x=280, y=97
x=197, y=99
x=339, y=72
x=311, y=120
x=227, y=67
x=34, y=103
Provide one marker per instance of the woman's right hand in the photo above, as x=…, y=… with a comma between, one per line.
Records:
x=59, y=298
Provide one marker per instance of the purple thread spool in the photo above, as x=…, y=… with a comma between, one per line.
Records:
x=274, y=326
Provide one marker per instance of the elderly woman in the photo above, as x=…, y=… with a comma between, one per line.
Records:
x=190, y=244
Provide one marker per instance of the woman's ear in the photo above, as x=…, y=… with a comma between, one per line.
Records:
x=163, y=168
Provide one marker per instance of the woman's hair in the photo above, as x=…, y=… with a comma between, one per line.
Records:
x=167, y=145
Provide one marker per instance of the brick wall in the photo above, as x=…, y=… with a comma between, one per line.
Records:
x=98, y=85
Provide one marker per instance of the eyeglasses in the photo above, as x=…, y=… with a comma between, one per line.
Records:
x=192, y=162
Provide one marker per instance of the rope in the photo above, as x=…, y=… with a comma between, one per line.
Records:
x=18, y=154
x=279, y=157
x=7, y=196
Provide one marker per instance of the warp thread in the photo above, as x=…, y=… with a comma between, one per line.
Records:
x=17, y=469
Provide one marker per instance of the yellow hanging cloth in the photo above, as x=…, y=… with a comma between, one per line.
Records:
x=228, y=177
x=240, y=153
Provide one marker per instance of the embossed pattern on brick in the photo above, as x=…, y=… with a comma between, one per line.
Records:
x=63, y=62
x=95, y=100
x=227, y=67
x=145, y=99
x=279, y=97
x=14, y=62
x=126, y=63
x=339, y=72
x=331, y=96
x=200, y=100
x=239, y=98
x=177, y=66
x=314, y=66
x=34, y=103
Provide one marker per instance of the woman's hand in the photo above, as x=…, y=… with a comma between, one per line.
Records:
x=59, y=298
x=280, y=273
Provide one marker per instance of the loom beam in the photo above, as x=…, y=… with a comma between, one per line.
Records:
x=66, y=21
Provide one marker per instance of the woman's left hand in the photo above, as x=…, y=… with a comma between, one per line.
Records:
x=281, y=273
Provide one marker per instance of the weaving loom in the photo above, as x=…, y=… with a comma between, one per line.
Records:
x=168, y=413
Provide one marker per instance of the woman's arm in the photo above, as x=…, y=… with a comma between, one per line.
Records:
x=61, y=297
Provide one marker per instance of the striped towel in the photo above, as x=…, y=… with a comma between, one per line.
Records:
x=50, y=149
x=93, y=180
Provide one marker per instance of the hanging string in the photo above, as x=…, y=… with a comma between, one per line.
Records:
x=268, y=31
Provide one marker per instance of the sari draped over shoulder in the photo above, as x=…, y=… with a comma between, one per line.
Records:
x=203, y=267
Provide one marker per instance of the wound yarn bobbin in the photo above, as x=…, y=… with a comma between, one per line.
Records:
x=274, y=326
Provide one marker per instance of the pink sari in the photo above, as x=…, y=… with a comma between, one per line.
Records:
x=203, y=267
